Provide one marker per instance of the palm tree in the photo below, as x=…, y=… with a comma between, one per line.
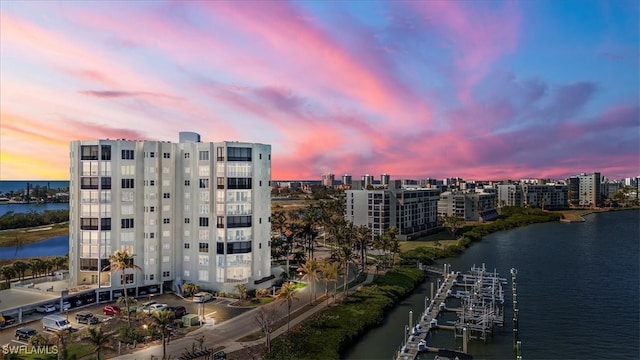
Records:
x=160, y=320
x=329, y=273
x=35, y=265
x=288, y=294
x=20, y=268
x=363, y=240
x=8, y=273
x=59, y=261
x=394, y=245
x=310, y=270
x=121, y=260
x=190, y=288
x=99, y=339
x=346, y=255
x=62, y=338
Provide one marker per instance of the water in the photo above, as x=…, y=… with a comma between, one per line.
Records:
x=578, y=293
x=20, y=185
x=55, y=246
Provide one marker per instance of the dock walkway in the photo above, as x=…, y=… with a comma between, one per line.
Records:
x=428, y=320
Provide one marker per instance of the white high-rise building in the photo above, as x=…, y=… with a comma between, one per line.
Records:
x=189, y=212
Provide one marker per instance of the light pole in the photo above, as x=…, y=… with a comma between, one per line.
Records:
x=426, y=299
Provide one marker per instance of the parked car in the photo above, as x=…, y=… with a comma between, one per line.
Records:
x=86, y=318
x=155, y=307
x=6, y=320
x=47, y=308
x=202, y=297
x=111, y=310
x=65, y=305
x=25, y=333
x=178, y=311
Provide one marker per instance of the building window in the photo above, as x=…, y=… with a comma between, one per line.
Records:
x=203, y=260
x=166, y=195
x=243, y=247
x=187, y=220
x=204, y=183
x=166, y=221
x=204, y=221
x=239, y=183
x=187, y=155
x=186, y=245
x=105, y=152
x=238, y=154
x=89, y=152
x=166, y=274
x=89, y=183
x=220, y=183
x=127, y=183
x=220, y=248
x=89, y=224
x=187, y=183
x=203, y=275
x=152, y=154
x=204, y=155
x=105, y=224
x=220, y=154
x=126, y=223
x=166, y=155
x=203, y=247
x=186, y=273
x=128, y=277
x=127, y=155
x=105, y=183
x=238, y=221
x=152, y=182
x=220, y=222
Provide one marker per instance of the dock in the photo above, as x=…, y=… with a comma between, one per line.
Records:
x=482, y=298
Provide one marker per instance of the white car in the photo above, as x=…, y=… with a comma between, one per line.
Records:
x=47, y=308
x=202, y=297
x=65, y=305
x=155, y=307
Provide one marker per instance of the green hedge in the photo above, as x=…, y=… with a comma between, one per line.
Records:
x=328, y=333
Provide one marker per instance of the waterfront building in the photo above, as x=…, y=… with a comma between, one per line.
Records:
x=470, y=206
x=510, y=195
x=189, y=211
x=589, y=192
x=549, y=196
x=412, y=210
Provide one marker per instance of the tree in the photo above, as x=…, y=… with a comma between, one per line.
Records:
x=62, y=339
x=35, y=265
x=394, y=244
x=362, y=241
x=453, y=222
x=160, y=321
x=288, y=293
x=346, y=255
x=121, y=260
x=59, y=261
x=267, y=317
x=8, y=273
x=242, y=291
x=99, y=339
x=310, y=270
x=20, y=268
x=329, y=273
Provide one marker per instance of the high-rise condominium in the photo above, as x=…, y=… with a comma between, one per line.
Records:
x=189, y=212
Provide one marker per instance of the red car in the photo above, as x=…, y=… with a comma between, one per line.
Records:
x=111, y=310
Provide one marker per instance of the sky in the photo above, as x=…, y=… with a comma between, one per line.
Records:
x=481, y=90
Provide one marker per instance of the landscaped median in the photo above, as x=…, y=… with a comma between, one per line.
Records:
x=328, y=333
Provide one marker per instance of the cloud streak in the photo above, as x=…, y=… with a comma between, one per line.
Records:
x=412, y=89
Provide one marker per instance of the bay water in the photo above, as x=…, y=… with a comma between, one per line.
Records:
x=578, y=293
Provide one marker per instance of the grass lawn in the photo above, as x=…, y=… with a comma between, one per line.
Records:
x=440, y=239
x=11, y=237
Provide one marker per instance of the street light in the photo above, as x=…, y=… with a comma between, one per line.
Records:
x=426, y=299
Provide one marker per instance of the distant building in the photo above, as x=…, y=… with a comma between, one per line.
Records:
x=384, y=180
x=346, y=179
x=189, y=212
x=590, y=192
x=367, y=181
x=328, y=179
x=413, y=211
x=532, y=194
x=470, y=206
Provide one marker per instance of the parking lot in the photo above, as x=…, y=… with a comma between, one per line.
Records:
x=216, y=309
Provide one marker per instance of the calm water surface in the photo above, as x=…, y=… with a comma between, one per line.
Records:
x=578, y=293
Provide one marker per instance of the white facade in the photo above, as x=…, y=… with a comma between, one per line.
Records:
x=412, y=211
x=189, y=212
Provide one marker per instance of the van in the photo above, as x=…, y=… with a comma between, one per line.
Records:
x=55, y=323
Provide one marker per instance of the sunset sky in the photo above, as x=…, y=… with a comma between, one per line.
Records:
x=476, y=89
